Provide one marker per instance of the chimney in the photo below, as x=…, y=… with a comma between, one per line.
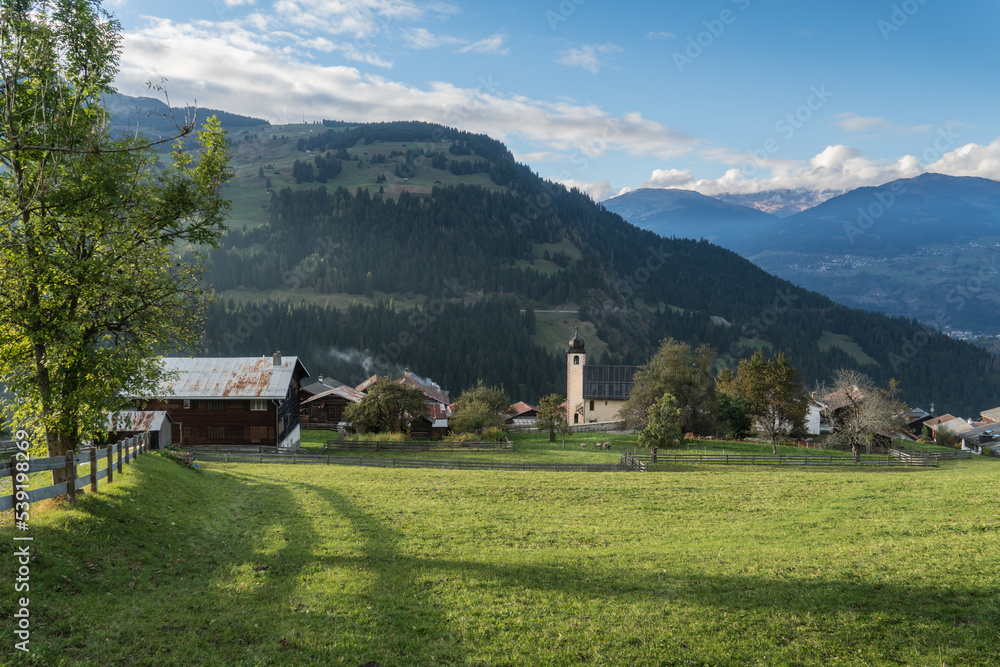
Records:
x=276, y=359
x=320, y=379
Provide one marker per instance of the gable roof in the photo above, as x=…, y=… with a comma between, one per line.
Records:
x=991, y=415
x=430, y=389
x=349, y=393
x=519, y=409
x=321, y=385
x=229, y=377
x=992, y=431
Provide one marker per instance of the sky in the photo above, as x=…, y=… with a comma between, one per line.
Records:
x=720, y=96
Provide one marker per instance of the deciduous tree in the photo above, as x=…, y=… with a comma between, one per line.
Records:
x=860, y=410
x=685, y=374
x=90, y=287
x=480, y=408
x=663, y=425
x=388, y=407
x=552, y=416
x=771, y=393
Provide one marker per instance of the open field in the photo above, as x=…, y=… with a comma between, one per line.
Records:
x=254, y=564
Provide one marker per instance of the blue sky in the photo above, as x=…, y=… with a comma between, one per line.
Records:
x=718, y=96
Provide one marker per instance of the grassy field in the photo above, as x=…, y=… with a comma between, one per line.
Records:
x=281, y=565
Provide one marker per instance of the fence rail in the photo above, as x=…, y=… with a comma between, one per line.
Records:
x=785, y=460
x=424, y=446
x=633, y=462
x=126, y=451
x=386, y=462
x=904, y=455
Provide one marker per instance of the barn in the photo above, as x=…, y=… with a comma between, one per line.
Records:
x=232, y=400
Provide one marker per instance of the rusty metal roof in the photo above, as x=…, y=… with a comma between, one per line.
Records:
x=137, y=420
x=229, y=377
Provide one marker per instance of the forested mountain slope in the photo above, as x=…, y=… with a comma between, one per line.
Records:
x=474, y=251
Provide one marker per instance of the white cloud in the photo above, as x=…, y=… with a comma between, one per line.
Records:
x=421, y=38
x=661, y=35
x=598, y=191
x=589, y=56
x=237, y=3
x=852, y=122
x=358, y=18
x=231, y=66
x=493, y=44
x=841, y=168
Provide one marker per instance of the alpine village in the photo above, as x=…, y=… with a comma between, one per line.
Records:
x=293, y=390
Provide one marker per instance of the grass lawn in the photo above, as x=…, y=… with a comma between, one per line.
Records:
x=245, y=564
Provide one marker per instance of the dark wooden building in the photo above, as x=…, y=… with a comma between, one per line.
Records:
x=326, y=409
x=232, y=400
x=129, y=423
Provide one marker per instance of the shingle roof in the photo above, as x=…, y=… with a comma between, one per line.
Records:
x=229, y=377
x=520, y=408
x=993, y=414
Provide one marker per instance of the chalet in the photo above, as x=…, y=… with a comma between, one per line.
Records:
x=951, y=424
x=129, y=423
x=594, y=393
x=522, y=414
x=322, y=384
x=232, y=400
x=977, y=439
x=992, y=416
x=326, y=409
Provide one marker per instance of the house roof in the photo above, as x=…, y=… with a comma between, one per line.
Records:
x=840, y=398
x=991, y=415
x=519, y=409
x=349, y=393
x=608, y=382
x=229, y=377
x=985, y=429
x=321, y=385
x=955, y=426
x=430, y=389
x=930, y=423
x=367, y=383
x=438, y=411
x=137, y=420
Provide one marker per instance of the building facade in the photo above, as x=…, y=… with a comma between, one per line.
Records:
x=594, y=393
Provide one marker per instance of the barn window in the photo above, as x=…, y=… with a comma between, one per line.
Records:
x=215, y=406
x=217, y=433
x=576, y=360
x=591, y=405
x=258, y=405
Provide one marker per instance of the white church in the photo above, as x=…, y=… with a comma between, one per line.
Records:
x=594, y=393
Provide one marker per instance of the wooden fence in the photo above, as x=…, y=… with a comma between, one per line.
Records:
x=785, y=460
x=632, y=462
x=387, y=462
x=422, y=446
x=116, y=455
x=902, y=455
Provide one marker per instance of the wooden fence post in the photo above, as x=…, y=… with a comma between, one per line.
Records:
x=93, y=469
x=120, y=447
x=71, y=475
x=111, y=463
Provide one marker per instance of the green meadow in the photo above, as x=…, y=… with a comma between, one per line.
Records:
x=249, y=564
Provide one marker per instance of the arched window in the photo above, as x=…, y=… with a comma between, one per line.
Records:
x=591, y=405
x=576, y=360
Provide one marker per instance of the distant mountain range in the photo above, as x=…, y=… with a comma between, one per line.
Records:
x=689, y=214
x=923, y=247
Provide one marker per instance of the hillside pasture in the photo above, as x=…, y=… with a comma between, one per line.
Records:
x=236, y=564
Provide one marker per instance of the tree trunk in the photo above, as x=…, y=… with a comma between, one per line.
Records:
x=552, y=436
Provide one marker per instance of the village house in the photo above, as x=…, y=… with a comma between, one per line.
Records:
x=594, y=393
x=521, y=414
x=326, y=409
x=232, y=400
x=130, y=423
